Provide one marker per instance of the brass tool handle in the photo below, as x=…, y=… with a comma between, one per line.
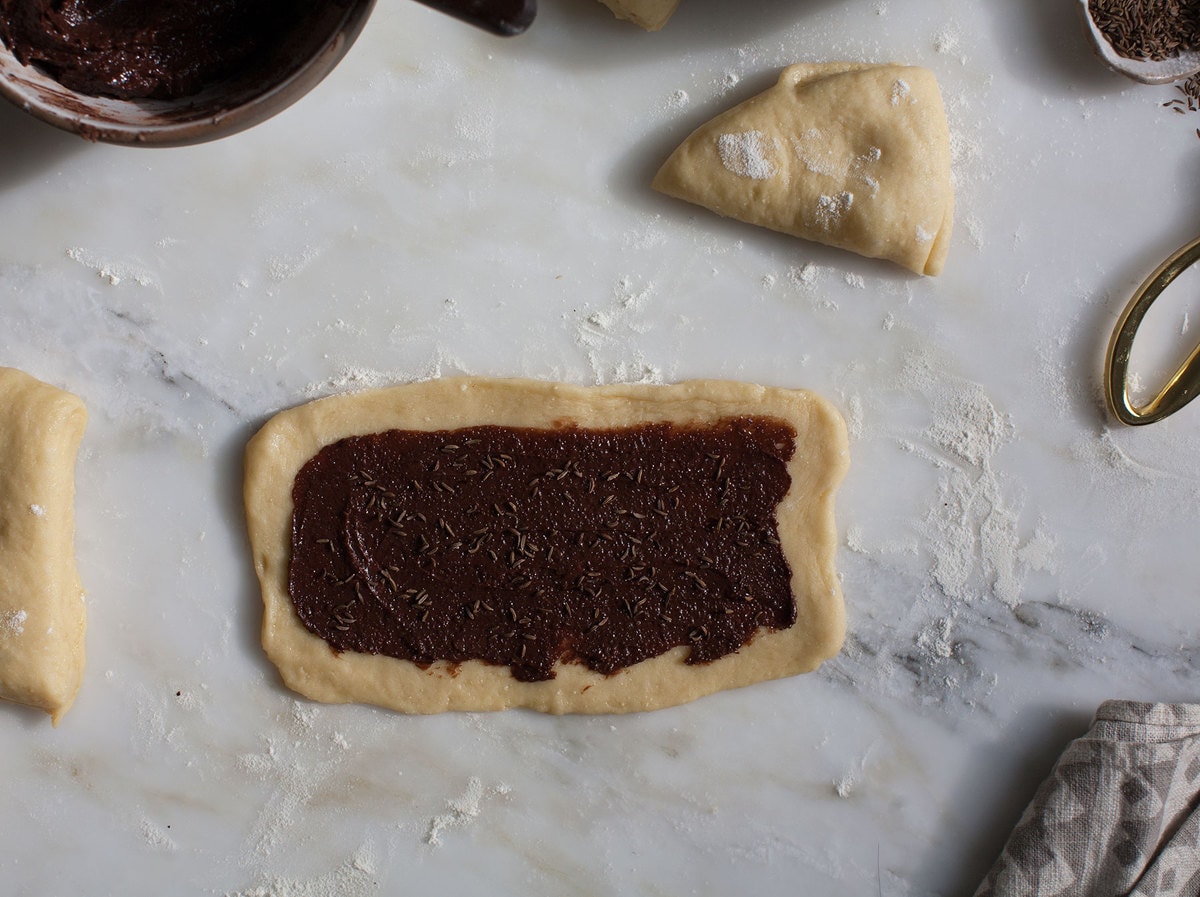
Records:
x=1184, y=383
x=506, y=18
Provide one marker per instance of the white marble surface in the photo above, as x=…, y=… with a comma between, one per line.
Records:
x=447, y=203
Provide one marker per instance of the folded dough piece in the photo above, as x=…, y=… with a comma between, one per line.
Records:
x=851, y=155
x=650, y=14
x=277, y=513
x=41, y=599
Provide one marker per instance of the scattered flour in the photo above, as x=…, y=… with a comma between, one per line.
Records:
x=975, y=231
x=603, y=331
x=352, y=379
x=474, y=131
x=849, y=783
x=1041, y=551
x=477, y=126
x=190, y=700
x=678, y=99
x=284, y=267
x=157, y=837
x=297, y=778
x=114, y=272
x=357, y=877
x=970, y=556
x=965, y=152
x=854, y=416
x=901, y=90
x=815, y=154
x=463, y=810
x=936, y=639
x=747, y=155
x=12, y=623
x=343, y=326
x=805, y=276
x=946, y=40
x=647, y=235
x=970, y=428
x=854, y=539
x=972, y=526
x=37, y=510
x=832, y=209
x=844, y=786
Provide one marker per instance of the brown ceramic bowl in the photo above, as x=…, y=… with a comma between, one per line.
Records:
x=226, y=107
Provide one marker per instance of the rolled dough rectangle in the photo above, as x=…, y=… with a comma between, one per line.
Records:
x=805, y=521
x=42, y=616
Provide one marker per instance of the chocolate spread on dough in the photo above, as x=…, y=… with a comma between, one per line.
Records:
x=146, y=48
x=524, y=547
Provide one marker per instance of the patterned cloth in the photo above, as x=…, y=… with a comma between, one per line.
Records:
x=1119, y=815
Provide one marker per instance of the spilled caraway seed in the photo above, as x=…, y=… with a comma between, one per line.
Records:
x=1188, y=99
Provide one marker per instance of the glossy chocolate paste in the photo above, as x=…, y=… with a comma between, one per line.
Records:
x=161, y=49
x=524, y=547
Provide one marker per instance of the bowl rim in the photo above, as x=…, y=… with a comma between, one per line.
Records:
x=1147, y=71
x=54, y=105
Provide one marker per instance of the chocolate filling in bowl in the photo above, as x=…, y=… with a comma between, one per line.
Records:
x=169, y=73
x=162, y=49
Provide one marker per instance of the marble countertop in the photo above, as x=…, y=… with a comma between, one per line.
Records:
x=448, y=203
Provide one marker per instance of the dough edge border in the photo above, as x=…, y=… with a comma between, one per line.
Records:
x=806, y=515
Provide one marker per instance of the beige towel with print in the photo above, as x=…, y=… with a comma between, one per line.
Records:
x=1118, y=816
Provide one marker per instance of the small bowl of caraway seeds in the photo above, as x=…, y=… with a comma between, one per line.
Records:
x=1151, y=41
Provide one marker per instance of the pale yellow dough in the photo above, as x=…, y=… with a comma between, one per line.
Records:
x=806, y=527
x=649, y=14
x=850, y=155
x=41, y=600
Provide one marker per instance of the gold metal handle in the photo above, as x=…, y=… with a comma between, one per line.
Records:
x=1184, y=383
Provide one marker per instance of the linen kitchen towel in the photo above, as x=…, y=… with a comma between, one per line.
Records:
x=1119, y=814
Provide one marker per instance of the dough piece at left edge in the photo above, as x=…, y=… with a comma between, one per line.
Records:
x=42, y=616
x=649, y=14
x=309, y=666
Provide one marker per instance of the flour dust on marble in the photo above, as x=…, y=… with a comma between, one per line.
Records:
x=971, y=551
x=609, y=334
x=358, y=876
x=462, y=810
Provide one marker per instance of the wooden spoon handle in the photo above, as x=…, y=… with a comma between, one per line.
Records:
x=504, y=17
